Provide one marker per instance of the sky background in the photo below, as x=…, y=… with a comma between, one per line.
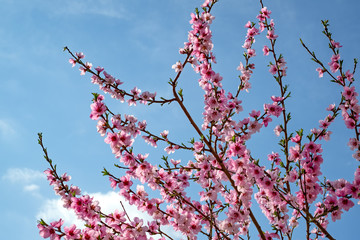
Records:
x=138, y=41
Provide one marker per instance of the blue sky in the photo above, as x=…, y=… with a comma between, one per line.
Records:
x=138, y=41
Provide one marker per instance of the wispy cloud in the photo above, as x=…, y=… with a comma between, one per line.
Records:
x=31, y=188
x=7, y=130
x=22, y=175
x=53, y=210
x=26, y=178
x=106, y=8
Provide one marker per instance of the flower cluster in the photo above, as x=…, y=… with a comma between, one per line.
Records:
x=108, y=84
x=223, y=167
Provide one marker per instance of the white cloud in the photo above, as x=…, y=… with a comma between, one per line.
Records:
x=107, y=8
x=7, y=130
x=111, y=201
x=31, y=188
x=22, y=175
x=53, y=210
x=26, y=178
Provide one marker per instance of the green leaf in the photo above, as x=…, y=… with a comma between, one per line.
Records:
x=180, y=92
x=42, y=222
x=288, y=117
x=105, y=172
x=300, y=132
x=197, y=11
x=96, y=95
x=282, y=164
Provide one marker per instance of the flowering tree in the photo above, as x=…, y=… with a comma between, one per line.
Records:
x=289, y=190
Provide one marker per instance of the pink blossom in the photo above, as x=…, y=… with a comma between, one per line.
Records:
x=261, y=26
x=125, y=182
x=206, y=72
x=254, y=126
x=334, y=64
x=251, y=32
x=350, y=123
x=170, y=149
x=270, y=236
x=101, y=127
x=236, y=149
x=198, y=146
x=331, y=107
x=177, y=67
x=349, y=76
x=71, y=232
x=277, y=99
x=271, y=35
x=356, y=155
x=292, y=176
x=275, y=157
x=142, y=125
x=266, y=121
x=72, y=62
x=88, y=65
x=251, y=52
x=248, y=24
x=273, y=69
x=79, y=55
x=265, y=12
x=273, y=109
x=97, y=109
x=255, y=114
x=296, y=139
x=164, y=134
x=295, y=153
x=277, y=130
x=206, y=3
x=261, y=17
x=207, y=17
x=336, y=215
x=353, y=143
x=345, y=203
x=82, y=70
x=48, y=231
x=321, y=72
x=99, y=69
x=266, y=50
x=335, y=44
x=349, y=93
x=112, y=138
x=113, y=183
x=335, y=58
x=312, y=147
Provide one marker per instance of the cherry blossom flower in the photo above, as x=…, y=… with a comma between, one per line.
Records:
x=266, y=50
x=277, y=130
x=321, y=72
x=271, y=35
x=273, y=69
x=177, y=67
